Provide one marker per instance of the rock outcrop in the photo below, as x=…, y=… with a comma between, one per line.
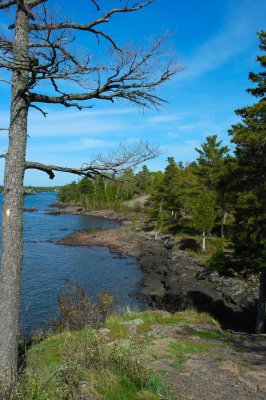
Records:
x=174, y=280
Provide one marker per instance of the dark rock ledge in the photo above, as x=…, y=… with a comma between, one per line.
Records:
x=174, y=280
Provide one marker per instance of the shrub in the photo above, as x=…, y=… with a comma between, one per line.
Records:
x=76, y=310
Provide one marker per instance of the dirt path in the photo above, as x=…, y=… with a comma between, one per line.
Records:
x=233, y=368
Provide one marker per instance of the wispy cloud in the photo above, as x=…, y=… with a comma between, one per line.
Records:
x=237, y=35
x=71, y=146
x=163, y=118
x=78, y=124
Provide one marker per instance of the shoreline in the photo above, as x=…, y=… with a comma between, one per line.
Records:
x=172, y=279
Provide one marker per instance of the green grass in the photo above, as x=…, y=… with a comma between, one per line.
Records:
x=208, y=335
x=187, y=346
x=113, y=387
x=57, y=364
x=156, y=386
x=182, y=350
x=153, y=317
x=247, y=365
x=178, y=366
x=240, y=350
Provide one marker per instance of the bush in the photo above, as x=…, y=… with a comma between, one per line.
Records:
x=76, y=310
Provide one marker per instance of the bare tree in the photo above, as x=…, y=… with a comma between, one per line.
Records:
x=41, y=48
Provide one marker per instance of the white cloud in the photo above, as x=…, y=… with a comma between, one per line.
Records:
x=163, y=118
x=71, y=146
x=234, y=38
x=75, y=127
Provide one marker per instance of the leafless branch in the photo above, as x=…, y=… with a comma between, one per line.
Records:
x=103, y=19
x=134, y=76
x=5, y=81
x=6, y=4
x=34, y=3
x=127, y=156
x=39, y=109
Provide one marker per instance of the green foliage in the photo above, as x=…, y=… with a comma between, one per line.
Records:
x=249, y=137
x=210, y=161
x=171, y=199
x=105, y=192
x=187, y=346
x=208, y=335
x=203, y=211
x=86, y=364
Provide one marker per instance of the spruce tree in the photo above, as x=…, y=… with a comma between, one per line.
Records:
x=211, y=163
x=249, y=137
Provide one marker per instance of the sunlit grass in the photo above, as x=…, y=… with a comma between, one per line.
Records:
x=186, y=346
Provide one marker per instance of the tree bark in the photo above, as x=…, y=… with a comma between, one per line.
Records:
x=203, y=241
x=224, y=216
x=260, y=320
x=12, y=217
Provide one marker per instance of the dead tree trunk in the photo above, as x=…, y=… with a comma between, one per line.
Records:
x=12, y=217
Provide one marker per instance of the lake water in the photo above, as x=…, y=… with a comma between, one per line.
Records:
x=48, y=265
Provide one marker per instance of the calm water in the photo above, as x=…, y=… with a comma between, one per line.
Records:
x=47, y=265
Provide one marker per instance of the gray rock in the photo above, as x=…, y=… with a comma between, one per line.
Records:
x=133, y=325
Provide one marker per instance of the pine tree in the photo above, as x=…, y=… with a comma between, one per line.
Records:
x=211, y=163
x=204, y=214
x=249, y=137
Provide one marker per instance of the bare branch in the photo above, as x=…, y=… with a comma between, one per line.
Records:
x=50, y=168
x=126, y=157
x=6, y=4
x=103, y=19
x=96, y=5
x=39, y=109
x=6, y=81
x=134, y=75
x=34, y=3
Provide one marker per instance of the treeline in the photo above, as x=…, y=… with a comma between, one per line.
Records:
x=38, y=189
x=109, y=191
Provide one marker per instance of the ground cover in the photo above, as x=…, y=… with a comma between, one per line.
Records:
x=147, y=356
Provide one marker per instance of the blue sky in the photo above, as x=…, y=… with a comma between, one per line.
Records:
x=217, y=43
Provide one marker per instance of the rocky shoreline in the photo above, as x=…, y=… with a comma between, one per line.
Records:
x=172, y=279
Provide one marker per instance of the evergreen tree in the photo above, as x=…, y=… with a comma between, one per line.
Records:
x=204, y=214
x=211, y=170
x=249, y=137
x=210, y=160
x=187, y=187
x=143, y=179
x=164, y=199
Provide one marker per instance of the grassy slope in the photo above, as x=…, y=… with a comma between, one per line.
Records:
x=111, y=364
